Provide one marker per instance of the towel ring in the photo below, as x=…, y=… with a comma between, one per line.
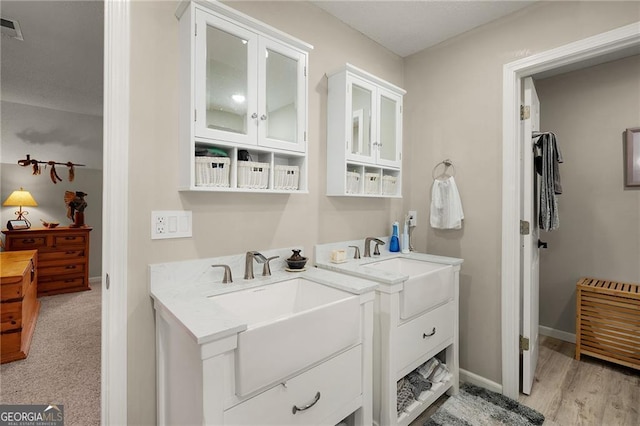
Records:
x=447, y=164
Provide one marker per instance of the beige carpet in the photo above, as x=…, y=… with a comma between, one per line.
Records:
x=63, y=366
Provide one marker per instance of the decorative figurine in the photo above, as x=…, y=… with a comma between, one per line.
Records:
x=75, y=208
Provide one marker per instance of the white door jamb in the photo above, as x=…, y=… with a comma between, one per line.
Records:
x=583, y=50
x=115, y=211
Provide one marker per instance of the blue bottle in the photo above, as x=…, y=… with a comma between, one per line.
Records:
x=394, y=243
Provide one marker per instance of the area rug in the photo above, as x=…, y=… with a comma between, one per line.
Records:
x=476, y=406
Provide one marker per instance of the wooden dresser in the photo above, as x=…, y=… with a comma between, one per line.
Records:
x=63, y=256
x=19, y=304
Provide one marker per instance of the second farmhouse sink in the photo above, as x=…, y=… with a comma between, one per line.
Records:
x=428, y=285
x=291, y=324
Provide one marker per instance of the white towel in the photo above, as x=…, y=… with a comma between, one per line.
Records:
x=446, y=207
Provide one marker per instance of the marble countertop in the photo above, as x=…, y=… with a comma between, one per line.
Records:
x=358, y=267
x=184, y=289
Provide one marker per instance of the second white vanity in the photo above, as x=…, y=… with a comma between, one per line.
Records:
x=416, y=318
x=292, y=348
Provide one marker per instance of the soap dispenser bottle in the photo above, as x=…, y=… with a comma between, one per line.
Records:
x=394, y=242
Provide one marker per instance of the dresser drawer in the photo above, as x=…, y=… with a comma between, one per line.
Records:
x=69, y=240
x=11, y=342
x=26, y=242
x=422, y=334
x=61, y=269
x=330, y=385
x=10, y=316
x=46, y=257
x=66, y=285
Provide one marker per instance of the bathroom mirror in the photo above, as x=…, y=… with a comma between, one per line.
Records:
x=282, y=92
x=227, y=88
x=388, y=128
x=361, y=100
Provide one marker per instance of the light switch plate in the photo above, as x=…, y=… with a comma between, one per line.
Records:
x=171, y=224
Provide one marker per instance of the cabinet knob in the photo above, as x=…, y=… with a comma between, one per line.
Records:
x=263, y=117
x=254, y=115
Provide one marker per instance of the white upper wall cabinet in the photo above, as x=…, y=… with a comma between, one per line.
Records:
x=244, y=95
x=364, y=135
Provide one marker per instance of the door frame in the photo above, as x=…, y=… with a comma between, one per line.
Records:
x=115, y=212
x=572, y=56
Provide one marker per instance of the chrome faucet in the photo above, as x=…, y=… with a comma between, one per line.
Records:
x=227, y=278
x=367, y=246
x=248, y=263
x=356, y=255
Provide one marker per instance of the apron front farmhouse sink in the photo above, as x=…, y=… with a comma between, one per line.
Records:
x=428, y=283
x=291, y=325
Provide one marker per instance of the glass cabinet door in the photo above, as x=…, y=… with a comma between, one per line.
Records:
x=361, y=111
x=389, y=128
x=282, y=97
x=226, y=69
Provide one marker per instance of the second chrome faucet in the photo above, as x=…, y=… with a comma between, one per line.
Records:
x=367, y=246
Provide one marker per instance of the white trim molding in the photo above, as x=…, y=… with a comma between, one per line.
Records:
x=474, y=379
x=583, y=52
x=557, y=334
x=114, y=212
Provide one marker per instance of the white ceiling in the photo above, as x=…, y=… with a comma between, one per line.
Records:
x=59, y=63
x=409, y=26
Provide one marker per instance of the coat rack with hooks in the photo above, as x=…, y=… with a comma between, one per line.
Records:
x=53, y=174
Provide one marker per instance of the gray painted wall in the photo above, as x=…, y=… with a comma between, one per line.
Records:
x=599, y=234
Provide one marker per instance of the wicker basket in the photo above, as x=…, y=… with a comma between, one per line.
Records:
x=372, y=183
x=389, y=186
x=252, y=174
x=286, y=177
x=212, y=171
x=353, y=183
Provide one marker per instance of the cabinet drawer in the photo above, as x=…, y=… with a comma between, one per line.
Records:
x=54, y=286
x=333, y=384
x=25, y=243
x=69, y=240
x=62, y=269
x=54, y=256
x=420, y=335
x=11, y=316
x=11, y=342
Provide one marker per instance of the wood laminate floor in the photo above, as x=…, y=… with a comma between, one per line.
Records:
x=586, y=392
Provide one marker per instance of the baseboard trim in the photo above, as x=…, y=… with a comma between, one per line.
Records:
x=558, y=334
x=474, y=379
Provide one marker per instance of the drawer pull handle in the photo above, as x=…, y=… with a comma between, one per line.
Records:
x=71, y=266
x=29, y=241
x=295, y=408
x=425, y=335
x=69, y=238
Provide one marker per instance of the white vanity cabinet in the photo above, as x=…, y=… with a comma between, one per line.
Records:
x=244, y=97
x=400, y=346
x=364, y=135
x=286, y=349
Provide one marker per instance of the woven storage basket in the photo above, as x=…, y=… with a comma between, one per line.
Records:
x=286, y=177
x=608, y=321
x=371, y=183
x=212, y=171
x=252, y=174
x=389, y=185
x=353, y=183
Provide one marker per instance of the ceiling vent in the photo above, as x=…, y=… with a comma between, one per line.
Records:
x=11, y=28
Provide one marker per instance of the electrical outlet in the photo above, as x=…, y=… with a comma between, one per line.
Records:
x=413, y=218
x=160, y=224
x=171, y=224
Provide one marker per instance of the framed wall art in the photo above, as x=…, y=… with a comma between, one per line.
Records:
x=632, y=157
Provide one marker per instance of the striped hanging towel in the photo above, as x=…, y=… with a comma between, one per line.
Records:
x=547, y=159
